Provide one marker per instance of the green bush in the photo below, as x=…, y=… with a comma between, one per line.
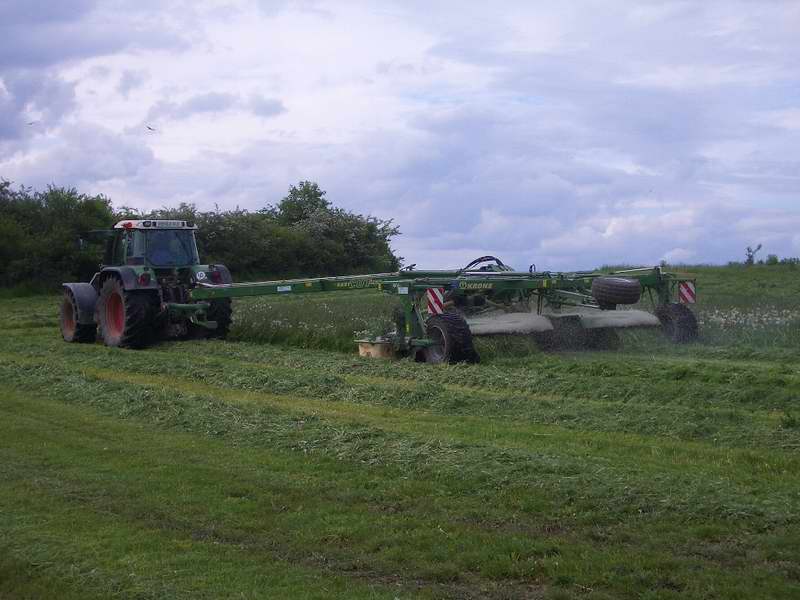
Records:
x=39, y=234
x=304, y=235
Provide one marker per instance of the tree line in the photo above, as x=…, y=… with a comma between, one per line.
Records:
x=304, y=234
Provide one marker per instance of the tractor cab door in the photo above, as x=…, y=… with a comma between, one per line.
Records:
x=115, y=249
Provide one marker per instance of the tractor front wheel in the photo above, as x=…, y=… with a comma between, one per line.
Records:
x=678, y=322
x=452, y=340
x=71, y=329
x=125, y=317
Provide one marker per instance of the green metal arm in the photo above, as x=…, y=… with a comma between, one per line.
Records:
x=502, y=287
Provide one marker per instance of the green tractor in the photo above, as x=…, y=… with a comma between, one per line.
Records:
x=142, y=291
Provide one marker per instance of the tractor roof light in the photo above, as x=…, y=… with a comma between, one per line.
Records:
x=155, y=223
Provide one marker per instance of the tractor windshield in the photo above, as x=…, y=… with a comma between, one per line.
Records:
x=170, y=247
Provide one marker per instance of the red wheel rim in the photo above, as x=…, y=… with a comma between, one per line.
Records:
x=67, y=318
x=115, y=315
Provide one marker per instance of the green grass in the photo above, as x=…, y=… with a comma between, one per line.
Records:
x=328, y=320
x=242, y=469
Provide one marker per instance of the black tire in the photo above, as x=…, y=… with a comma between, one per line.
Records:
x=220, y=311
x=453, y=340
x=125, y=317
x=610, y=291
x=71, y=330
x=677, y=322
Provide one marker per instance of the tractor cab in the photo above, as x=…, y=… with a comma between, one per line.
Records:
x=143, y=289
x=160, y=244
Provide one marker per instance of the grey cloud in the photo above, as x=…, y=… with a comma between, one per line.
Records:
x=43, y=11
x=577, y=100
x=47, y=43
x=37, y=37
x=99, y=72
x=51, y=43
x=215, y=102
x=210, y=102
x=265, y=107
x=200, y=103
x=84, y=154
x=272, y=8
x=130, y=80
x=611, y=146
x=32, y=92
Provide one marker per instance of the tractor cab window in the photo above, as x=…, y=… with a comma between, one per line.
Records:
x=170, y=247
x=115, y=249
x=136, y=247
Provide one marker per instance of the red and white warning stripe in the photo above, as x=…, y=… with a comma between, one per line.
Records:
x=686, y=293
x=435, y=301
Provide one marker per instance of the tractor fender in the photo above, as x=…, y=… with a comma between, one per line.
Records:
x=128, y=277
x=85, y=299
x=226, y=275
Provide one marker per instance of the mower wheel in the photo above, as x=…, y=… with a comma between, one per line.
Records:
x=71, y=329
x=610, y=291
x=220, y=311
x=452, y=340
x=125, y=317
x=678, y=322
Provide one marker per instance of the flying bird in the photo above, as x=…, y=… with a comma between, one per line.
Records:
x=32, y=122
x=151, y=128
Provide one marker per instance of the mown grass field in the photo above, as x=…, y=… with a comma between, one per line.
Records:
x=244, y=469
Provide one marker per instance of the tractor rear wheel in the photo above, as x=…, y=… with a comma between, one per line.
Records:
x=452, y=340
x=125, y=317
x=678, y=322
x=610, y=291
x=71, y=329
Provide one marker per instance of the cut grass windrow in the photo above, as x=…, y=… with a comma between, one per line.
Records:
x=501, y=458
x=570, y=393
x=115, y=513
x=251, y=500
x=667, y=455
x=213, y=469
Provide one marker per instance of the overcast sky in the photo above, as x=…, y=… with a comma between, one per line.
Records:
x=569, y=134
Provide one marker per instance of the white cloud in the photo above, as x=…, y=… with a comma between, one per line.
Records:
x=569, y=134
x=788, y=118
x=679, y=255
